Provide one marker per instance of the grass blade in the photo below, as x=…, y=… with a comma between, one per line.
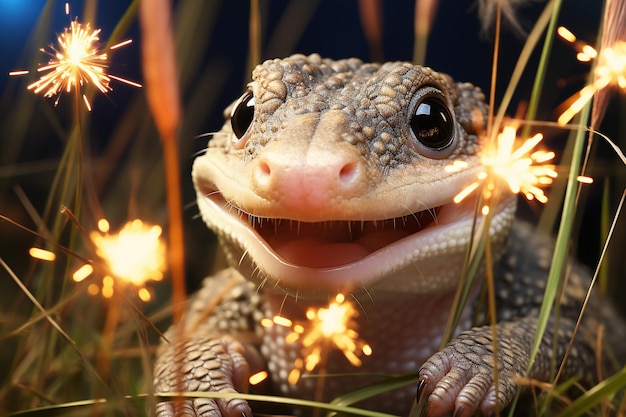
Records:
x=560, y=255
x=593, y=397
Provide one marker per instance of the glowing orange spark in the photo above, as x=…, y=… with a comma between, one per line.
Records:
x=42, y=254
x=584, y=179
x=83, y=272
x=134, y=255
x=76, y=62
x=612, y=65
x=258, y=378
x=566, y=34
x=103, y=225
x=610, y=70
x=333, y=325
x=522, y=173
x=107, y=287
x=123, y=43
x=19, y=72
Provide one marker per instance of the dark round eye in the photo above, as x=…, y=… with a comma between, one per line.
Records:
x=432, y=123
x=242, y=114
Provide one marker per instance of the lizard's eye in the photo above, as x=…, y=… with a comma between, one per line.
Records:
x=431, y=123
x=242, y=114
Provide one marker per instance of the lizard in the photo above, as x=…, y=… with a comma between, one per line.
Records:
x=329, y=176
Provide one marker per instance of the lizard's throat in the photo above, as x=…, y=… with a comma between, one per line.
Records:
x=421, y=252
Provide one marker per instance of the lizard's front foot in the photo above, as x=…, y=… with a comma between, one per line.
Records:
x=460, y=379
x=202, y=364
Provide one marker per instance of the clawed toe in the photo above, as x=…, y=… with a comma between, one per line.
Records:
x=458, y=391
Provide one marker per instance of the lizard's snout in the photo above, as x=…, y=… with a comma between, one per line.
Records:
x=308, y=182
x=309, y=172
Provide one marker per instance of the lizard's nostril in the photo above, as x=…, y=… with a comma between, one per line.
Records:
x=263, y=173
x=263, y=168
x=349, y=173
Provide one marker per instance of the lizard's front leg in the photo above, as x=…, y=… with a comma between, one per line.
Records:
x=460, y=379
x=209, y=363
x=216, y=351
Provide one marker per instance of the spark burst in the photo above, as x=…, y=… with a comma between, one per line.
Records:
x=610, y=70
x=523, y=173
x=76, y=61
x=330, y=326
x=135, y=255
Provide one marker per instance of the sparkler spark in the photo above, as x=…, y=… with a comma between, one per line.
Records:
x=523, y=173
x=135, y=255
x=610, y=70
x=75, y=62
x=258, y=378
x=42, y=254
x=330, y=326
x=83, y=272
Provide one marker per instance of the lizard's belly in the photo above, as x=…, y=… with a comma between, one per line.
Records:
x=402, y=332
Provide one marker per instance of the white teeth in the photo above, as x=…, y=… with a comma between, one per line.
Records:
x=328, y=256
x=306, y=244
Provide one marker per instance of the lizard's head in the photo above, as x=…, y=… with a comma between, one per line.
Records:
x=330, y=176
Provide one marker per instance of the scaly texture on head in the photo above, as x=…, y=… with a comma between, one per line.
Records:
x=336, y=171
x=375, y=98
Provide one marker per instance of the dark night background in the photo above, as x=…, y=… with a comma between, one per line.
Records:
x=213, y=72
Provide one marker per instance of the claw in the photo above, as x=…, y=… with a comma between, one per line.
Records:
x=420, y=390
x=420, y=387
x=420, y=399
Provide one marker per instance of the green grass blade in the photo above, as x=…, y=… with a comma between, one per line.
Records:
x=605, y=222
x=560, y=255
x=473, y=257
x=527, y=50
x=61, y=409
x=597, y=394
x=543, y=64
x=390, y=383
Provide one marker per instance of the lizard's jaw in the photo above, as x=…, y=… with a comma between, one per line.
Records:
x=419, y=253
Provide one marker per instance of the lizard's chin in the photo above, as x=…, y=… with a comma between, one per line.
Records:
x=414, y=253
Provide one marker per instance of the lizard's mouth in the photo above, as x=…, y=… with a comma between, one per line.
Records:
x=332, y=244
x=341, y=255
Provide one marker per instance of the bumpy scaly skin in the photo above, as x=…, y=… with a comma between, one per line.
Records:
x=351, y=108
x=211, y=354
